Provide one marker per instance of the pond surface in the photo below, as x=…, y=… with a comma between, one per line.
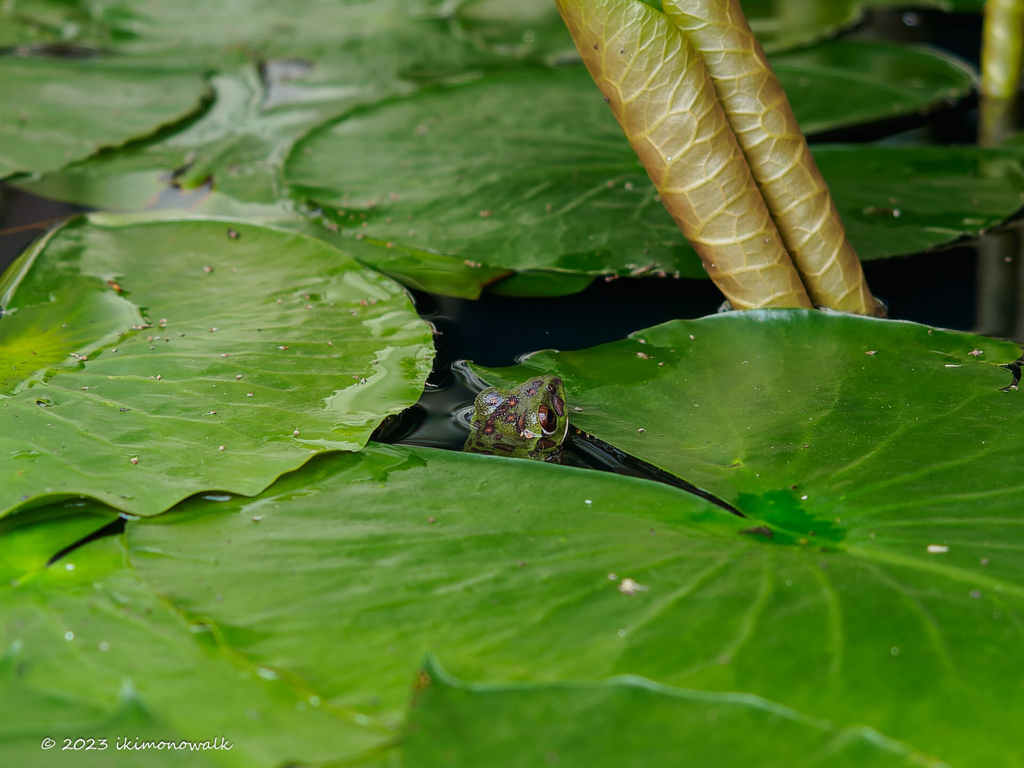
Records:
x=971, y=286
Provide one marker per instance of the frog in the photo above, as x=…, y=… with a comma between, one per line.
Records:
x=529, y=421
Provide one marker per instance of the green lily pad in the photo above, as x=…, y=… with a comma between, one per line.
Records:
x=805, y=419
x=532, y=172
x=56, y=111
x=638, y=722
x=29, y=540
x=227, y=163
x=144, y=362
x=878, y=80
x=346, y=573
x=949, y=193
x=533, y=28
x=225, y=153
x=317, y=60
x=230, y=31
x=785, y=24
x=87, y=651
x=35, y=22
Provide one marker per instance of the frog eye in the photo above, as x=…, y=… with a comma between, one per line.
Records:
x=548, y=420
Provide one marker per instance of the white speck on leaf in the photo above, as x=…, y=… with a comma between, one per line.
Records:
x=629, y=587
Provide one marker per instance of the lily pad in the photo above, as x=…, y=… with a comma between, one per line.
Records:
x=460, y=724
x=56, y=111
x=144, y=362
x=228, y=163
x=230, y=31
x=806, y=419
x=226, y=152
x=90, y=652
x=316, y=60
x=533, y=28
x=346, y=573
x=532, y=172
x=35, y=22
x=29, y=540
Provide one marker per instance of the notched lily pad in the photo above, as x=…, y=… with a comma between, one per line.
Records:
x=143, y=362
x=525, y=573
x=802, y=419
x=531, y=172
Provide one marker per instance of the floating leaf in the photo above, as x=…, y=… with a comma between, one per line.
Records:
x=230, y=31
x=346, y=573
x=55, y=111
x=29, y=541
x=144, y=362
x=805, y=419
x=316, y=60
x=533, y=27
x=532, y=172
x=88, y=652
x=629, y=720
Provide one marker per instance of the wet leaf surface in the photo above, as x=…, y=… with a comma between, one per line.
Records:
x=458, y=724
x=533, y=28
x=802, y=420
x=57, y=111
x=88, y=651
x=531, y=171
x=29, y=540
x=228, y=32
x=228, y=161
x=145, y=362
x=518, y=572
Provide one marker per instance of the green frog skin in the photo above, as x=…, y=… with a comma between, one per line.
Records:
x=530, y=421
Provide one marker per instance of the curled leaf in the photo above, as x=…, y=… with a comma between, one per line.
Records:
x=660, y=92
x=797, y=196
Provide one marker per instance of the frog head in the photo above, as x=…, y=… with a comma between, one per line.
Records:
x=529, y=421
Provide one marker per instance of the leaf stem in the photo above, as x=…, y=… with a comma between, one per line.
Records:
x=1003, y=48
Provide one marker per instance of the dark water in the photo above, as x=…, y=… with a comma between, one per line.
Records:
x=973, y=286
